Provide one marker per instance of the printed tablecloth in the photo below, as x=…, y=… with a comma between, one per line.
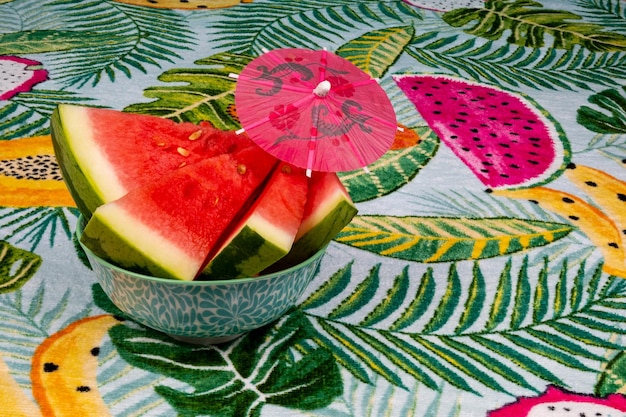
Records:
x=452, y=293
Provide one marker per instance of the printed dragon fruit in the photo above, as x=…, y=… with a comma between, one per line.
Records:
x=555, y=402
x=445, y=5
x=18, y=75
x=505, y=139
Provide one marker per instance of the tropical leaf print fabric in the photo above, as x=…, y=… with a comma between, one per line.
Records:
x=484, y=275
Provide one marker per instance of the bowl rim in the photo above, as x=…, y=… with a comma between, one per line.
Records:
x=171, y=281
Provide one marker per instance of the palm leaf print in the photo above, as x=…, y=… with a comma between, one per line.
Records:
x=610, y=13
x=611, y=146
x=528, y=23
x=39, y=41
x=28, y=114
x=152, y=36
x=307, y=24
x=254, y=370
x=33, y=225
x=440, y=239
x=505, y=64
x=207, y=93
x=17, y=266
x=375, y=51
x=614, y=102
x=459, y=335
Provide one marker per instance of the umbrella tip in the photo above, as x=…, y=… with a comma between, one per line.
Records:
x=322, y=88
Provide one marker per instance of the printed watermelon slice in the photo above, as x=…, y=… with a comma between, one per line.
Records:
x=560, y=403
x=267, y=232
x=168, y=227
x=328, y=209
x=104, y=153
x=505, y=139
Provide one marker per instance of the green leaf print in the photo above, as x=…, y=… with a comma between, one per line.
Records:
x=40, y=41
x=312, y=24
x=17, y=266
x=614, y=102
x=207, y=93
x=257, y=369
x=527, y=23
x=374, y=52
x=453, y=330
x=443, y=239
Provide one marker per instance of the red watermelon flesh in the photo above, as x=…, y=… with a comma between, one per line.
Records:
x=266, y=233
x=104, y=153
x=168, y=227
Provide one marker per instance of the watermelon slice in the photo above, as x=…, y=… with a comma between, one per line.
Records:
x=104, y=153
x=267, y=232
x=328, y=209
x=168, y=227
x=506, y=139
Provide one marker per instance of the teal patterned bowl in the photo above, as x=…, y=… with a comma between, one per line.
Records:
x=202, y=312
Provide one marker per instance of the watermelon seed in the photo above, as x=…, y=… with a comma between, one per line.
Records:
x=508, y=155
x=480, y=146
x=454, y=126
x=476, y=139
x=504, y=145
x=195, y=135
x=591, y=183
x=573, y=217
x=614, y=245
x=532, y=162
x=182, y=151
x=621, y=197
x=568, y=200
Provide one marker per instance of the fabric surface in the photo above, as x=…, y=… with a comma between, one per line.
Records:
x=469, y=284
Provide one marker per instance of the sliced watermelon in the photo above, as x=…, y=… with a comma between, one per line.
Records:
x=168, y=227
x=104, y=153
x=267, y=232
x=329, y=209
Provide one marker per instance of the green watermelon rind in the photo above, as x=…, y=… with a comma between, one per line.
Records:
x=102, y=238
x=566, y=148
x=255, y=246
x=87, y=199
x=334, y=216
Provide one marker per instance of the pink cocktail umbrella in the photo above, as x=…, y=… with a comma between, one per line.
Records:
x=315, y=110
